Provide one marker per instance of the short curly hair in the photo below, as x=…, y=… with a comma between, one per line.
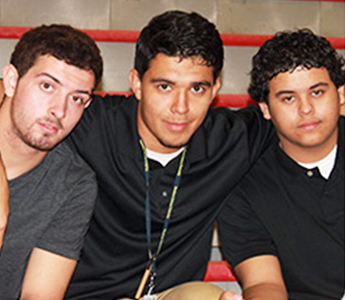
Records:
x=288, y=50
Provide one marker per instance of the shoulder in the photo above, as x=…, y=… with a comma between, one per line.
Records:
x=64, y=160
x=103, y=112
x=109, y=102
x=247, y=119
x=245, y=130
x=256, y=185
x=70, y=176
x=246, y=114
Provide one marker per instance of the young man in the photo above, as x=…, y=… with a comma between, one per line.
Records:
x=48, y=84
x=165, y=164
x=285, y=221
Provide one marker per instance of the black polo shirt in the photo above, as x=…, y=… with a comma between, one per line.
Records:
x=115, y=251
x=283, y=209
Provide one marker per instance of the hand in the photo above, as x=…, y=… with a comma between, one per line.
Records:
x=229, y=295
x=4, y=201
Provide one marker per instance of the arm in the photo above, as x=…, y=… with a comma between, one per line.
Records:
x=54, y=258
x=247, y=242
x=46, y=276
x=261, y=278
x=4, y=201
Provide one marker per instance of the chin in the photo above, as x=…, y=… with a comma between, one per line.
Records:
x=175, y=145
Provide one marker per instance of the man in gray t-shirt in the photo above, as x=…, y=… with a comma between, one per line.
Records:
x=48, y=84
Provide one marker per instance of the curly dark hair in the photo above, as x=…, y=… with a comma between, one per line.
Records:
x=62, y=42
x=180, y=34
x=288, y=50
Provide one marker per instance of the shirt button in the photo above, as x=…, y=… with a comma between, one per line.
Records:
x=310, y=173
x=164, y=194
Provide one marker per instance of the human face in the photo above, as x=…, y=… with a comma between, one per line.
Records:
x=174, y=96
x=48, y=101
x=304, y=106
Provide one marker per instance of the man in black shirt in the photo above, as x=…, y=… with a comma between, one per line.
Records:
x=285, y=221
x=165, y=165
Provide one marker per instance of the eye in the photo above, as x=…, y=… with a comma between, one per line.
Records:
x=80, y=99
x=289, y=99
x=197, y=89
x=317, y=93
x=45, y=86
x=164, y=87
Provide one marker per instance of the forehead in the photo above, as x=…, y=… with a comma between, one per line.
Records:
x=65, y=74
x=179, y=69
x=300, y=78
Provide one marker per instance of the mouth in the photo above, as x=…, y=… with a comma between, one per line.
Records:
x=48, y=127
x=178, y=127
x=309, y=125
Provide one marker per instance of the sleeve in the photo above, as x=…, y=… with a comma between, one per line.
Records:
x=260, y=132
x=93, y=117
x=65, y=233
x=241, y=232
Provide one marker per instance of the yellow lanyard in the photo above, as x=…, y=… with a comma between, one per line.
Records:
x=150, y=269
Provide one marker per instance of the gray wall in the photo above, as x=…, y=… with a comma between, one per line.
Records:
x=231, y=16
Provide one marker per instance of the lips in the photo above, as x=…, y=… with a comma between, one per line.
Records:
x=48, y=127
x=177, y=126
x=309, y=125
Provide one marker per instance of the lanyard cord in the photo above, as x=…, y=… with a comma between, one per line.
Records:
x=170, y=207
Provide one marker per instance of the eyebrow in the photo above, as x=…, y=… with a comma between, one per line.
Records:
x=310, y=88
x=156, y=80
x=203, y=82
x=318, y=84
x=59, y=83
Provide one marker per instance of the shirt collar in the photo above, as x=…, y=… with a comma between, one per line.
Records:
x=296, y=170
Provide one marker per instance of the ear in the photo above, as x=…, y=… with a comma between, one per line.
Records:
x=341, y=91
x=88, y=103
x=10, y=80
x=265, y=110
x=135, y=83
x=216, y=87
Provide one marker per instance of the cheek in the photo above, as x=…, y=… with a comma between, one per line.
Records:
x=331, y=110
x=282, y=122
x=152, y=111
x=199, y=108
x=73, y=117
x=21, y=109
x=200, y=115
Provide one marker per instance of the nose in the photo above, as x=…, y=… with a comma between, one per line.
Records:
x=306, y=105
x=58, y=106
x=180, y=104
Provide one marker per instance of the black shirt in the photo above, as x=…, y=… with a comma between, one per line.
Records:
x=283, y=209
x=115, y=251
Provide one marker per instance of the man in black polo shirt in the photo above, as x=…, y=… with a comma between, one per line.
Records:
x=165, y=165
x=285, y=221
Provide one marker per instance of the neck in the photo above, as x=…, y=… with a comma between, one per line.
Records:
x=163, y=158
x=18, y=162
x=17, y=157
x=310, y=154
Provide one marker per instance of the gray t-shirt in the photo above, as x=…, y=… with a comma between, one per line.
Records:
x=50, y=208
